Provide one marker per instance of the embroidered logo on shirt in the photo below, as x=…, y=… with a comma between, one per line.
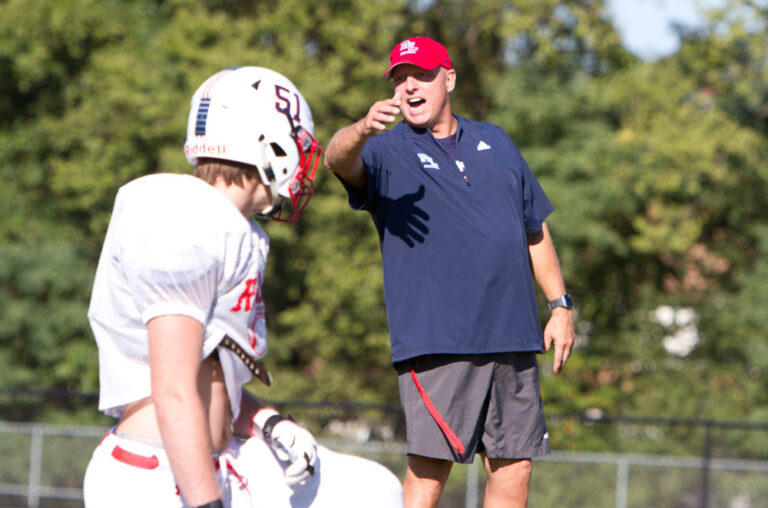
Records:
x=482, y=145
x=408, y=47
x=427, y=162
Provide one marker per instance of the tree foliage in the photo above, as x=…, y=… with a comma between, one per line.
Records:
x=655, y=170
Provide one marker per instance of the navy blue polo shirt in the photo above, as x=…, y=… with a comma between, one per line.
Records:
x=457, y=277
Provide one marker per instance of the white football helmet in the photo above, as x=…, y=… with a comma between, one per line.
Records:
x=257, y=116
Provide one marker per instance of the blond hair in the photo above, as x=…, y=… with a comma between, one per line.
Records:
x=232, y=172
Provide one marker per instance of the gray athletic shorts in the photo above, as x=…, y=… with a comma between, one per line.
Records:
x=459, y=405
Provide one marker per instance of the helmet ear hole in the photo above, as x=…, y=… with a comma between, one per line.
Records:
x=279, y=152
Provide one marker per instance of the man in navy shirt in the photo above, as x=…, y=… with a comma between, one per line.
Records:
x=460, y=218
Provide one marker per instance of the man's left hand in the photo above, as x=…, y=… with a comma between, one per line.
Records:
x=559, y=331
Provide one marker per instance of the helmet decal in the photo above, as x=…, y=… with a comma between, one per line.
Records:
x=281, y=93
x=202, y=116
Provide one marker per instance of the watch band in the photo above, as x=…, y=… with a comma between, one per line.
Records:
x=564, y=301
x=212, y=504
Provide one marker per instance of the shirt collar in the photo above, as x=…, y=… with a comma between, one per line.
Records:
x=423, y=132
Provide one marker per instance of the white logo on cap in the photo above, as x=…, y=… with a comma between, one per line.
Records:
x=407, y=47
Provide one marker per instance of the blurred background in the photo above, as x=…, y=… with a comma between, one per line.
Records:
x=646, y=122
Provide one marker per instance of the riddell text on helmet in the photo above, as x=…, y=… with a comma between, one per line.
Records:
x=204, y=149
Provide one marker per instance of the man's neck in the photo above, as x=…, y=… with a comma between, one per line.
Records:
x=444, y=128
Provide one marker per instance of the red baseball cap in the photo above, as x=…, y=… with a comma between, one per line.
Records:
x=420, y=51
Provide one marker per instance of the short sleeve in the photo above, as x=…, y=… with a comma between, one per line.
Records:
x=536, y=205
x=364, y=198
x=170, y=276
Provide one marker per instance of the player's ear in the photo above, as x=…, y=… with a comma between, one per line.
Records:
x=450, y=80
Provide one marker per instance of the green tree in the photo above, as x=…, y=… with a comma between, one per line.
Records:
x=654, y=169
x=657, y=182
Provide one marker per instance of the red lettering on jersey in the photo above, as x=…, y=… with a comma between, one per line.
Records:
x=251, y=294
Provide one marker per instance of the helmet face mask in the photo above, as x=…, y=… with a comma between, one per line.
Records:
x=256, y=116
x=289, y=202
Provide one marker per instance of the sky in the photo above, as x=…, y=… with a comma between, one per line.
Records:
x=645, y=25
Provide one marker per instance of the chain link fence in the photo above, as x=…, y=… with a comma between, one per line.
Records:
x=652, y=463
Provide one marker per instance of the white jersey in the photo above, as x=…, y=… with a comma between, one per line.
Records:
x=175, y=245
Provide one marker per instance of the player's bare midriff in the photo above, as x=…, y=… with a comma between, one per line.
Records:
x=139, y=417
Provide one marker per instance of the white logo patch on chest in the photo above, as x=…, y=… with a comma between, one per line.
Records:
x=427, y=162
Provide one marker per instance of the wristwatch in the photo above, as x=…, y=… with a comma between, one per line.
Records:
x=563, y=301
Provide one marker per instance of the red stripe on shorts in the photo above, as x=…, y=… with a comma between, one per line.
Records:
x=452, y=437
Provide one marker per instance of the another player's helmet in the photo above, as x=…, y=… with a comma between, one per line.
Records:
x=257, y=116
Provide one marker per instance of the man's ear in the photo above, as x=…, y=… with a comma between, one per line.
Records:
x=450, y=80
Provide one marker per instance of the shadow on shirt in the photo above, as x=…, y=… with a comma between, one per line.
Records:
x=405, y=219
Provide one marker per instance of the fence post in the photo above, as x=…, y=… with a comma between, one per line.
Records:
x=35, y=464
x=622, y=482
x=472, y=485
x=705, y=466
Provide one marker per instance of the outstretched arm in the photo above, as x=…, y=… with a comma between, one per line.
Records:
x=175, y=345
x=343, y=155
x=546, y=270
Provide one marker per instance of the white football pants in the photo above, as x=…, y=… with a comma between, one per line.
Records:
x=127, y=473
